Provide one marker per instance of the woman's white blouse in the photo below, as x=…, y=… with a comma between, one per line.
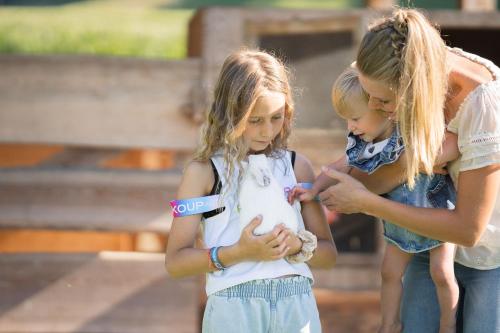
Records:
x=477, y=125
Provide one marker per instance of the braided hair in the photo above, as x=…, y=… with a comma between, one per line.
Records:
x=406, y=53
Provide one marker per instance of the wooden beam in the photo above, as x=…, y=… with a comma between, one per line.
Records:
x=80, y=157
x=380, y=4
x=478, y=5
x=449, y=19
x=97, y=101
x=320, y=146
x=106, y=292
x=87, y=199
x=261, y=26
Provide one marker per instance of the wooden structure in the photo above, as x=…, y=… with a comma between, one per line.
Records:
x=96, y=109
x=478, y=5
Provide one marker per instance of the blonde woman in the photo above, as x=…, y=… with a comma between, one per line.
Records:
x=254, y=283
x=406, y=69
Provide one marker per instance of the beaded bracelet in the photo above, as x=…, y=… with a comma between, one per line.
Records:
x=215, y=258
x=210, y=263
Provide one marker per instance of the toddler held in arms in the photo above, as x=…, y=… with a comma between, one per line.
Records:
x=374, y=141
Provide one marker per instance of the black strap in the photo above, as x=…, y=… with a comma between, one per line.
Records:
x=294, y=154
x=217, y=183
x=216, y=189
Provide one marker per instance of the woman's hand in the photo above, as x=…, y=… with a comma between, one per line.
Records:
x=347, y=196
x=273, y=245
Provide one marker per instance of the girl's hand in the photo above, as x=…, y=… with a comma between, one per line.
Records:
x=301, y=194
x=294, y=243
x=346, y=196
x=270, y=246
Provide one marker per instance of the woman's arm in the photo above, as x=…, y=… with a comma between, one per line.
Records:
x=476, y=198
x=183, y=259
x=384, y=179
x=325, y=254
x=389, y=176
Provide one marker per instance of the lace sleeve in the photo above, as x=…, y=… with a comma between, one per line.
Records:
x=478, y=127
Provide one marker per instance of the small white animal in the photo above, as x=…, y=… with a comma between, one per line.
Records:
x=261, y=194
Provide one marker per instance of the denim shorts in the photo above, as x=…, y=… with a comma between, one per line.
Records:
x=285, y=305
x=435, y=191
x=478, y=308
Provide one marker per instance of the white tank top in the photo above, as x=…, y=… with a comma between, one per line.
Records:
x=224, y=230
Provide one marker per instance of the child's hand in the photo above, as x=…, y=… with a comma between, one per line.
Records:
x=301, y=194
x=270, y=246
x=449, y=149
x=440, y=169
x=294, y=243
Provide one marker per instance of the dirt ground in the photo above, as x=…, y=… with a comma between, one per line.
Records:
x=348, y=311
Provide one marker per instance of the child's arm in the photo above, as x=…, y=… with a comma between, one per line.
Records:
x=321, y=183
x=389, y=176
x=449, y=149
x=325, y=254
x=384, y=179
x=183, y=259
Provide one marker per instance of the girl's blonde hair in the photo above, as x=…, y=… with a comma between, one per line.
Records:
x=245, y=76
x=345, y=88
x=408, y=54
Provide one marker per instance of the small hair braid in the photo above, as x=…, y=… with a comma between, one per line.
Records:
x=397, y=29
x=400, y=34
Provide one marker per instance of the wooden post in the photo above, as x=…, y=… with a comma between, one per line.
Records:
x=478, y=5
x=380, y=4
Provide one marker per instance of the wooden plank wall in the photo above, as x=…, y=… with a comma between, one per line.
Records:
x=95, y=101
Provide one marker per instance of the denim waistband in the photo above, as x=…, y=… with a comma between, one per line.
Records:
x=269, y=288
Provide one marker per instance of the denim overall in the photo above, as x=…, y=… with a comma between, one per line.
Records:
x=436, y=191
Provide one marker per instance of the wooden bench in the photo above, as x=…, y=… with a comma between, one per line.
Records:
x=94, y=108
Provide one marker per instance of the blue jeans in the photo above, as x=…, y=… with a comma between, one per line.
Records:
x=479, y=307
x=284, y=305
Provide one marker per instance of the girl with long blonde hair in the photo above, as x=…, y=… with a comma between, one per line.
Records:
x=406, y=69
x=254, y=283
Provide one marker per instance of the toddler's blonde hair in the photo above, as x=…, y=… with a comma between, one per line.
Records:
x=346, y=88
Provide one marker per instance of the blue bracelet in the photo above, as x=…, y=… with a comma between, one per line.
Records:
x=215, y=258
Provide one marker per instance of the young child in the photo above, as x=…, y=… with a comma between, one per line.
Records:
x=374, y=141
x=254, y=283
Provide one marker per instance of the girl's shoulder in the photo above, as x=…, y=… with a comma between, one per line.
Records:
x=303, y=168
x=197, y=179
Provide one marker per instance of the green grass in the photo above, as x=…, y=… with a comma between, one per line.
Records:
x=193, y=4
x=95, y=27
x=133, y=28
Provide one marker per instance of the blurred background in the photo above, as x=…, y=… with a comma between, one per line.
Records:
x=100, y=107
